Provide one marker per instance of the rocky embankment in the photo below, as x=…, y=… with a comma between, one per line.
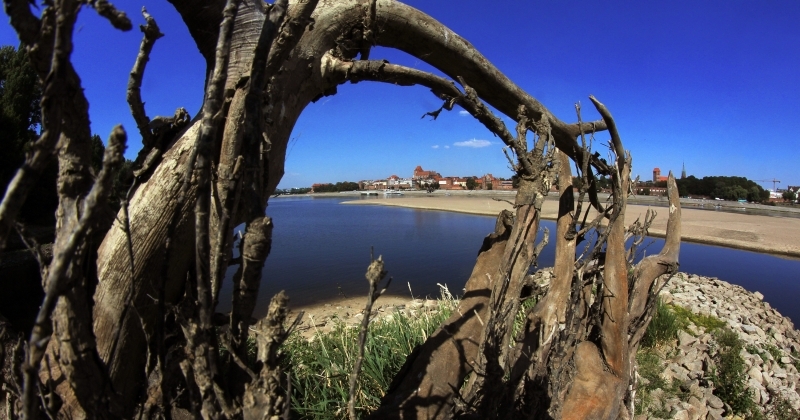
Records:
x=770, y=352
x=686, y=366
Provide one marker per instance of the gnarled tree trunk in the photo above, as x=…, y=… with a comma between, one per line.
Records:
x=159, y=269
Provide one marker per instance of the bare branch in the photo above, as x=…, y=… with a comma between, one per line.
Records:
x=202, y=151
x=612, y=130
x=107, y=10
x=23, y=20
x=375, y=273
x=643, y=295
x=257, y=244
x=204, y=362
x=151, y=34
x=294, y=24
x=336, y=71
x=55, y=283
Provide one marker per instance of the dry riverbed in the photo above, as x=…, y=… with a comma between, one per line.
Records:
x=774, y=235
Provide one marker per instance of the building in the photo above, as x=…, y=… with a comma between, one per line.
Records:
x=419, y=173
x=394, y=182
x=657, y=176
x=644, y=189
x=489, y=182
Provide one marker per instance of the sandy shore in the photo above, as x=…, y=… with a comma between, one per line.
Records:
x=774, y=235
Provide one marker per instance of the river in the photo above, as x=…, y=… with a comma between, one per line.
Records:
x=321, y=249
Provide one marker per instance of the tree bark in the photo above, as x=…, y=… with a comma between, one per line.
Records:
x=268, y=84
x=428, y=382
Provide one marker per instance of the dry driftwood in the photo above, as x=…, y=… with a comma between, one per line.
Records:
x=147, y=342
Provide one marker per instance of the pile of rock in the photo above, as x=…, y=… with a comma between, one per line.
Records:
x=771, y=348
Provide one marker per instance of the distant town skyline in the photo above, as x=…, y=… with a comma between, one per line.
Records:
x=712, y=84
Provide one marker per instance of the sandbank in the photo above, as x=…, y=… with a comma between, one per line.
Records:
x=767, y=234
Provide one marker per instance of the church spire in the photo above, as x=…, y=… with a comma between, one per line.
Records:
x=683, y=172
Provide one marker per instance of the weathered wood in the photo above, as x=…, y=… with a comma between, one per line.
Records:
x=427, y=383
x=574, y=358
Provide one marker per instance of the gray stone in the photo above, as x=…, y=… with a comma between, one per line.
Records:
x=764, y=396
x=714, y=401
x=685, y=338
x=755, y=373
x=700, y=409
x=678, y=372
x=681, y=414
x=750, y=329
x=695, y=366
x=714, y=414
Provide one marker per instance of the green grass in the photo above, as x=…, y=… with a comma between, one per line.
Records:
x=650, y=366
x=663, y=327
x=774, y=351
x=685, y=316
x=729, y=376
x=320, y=368
x=780, y=409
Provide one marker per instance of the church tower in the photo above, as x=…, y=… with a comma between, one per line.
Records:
x=683, y=172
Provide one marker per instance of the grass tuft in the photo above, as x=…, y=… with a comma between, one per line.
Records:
x=685, y=316
x=320, y=368
x=663, y=327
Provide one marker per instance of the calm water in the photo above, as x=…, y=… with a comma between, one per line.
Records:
x=321, y=250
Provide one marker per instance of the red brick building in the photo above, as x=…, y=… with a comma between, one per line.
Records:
x=657, y=175
x=419, y=173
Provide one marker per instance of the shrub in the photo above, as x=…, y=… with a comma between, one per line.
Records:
x=780, y=409
x=729, y=376
x=663, y=327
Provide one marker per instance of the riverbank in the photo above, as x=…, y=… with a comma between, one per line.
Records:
x=676, y=377
x=773, y=235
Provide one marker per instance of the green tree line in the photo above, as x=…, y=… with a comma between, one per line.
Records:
x=337, y=187
x=724, y=187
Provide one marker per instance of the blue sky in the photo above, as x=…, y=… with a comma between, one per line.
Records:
x=712, y=84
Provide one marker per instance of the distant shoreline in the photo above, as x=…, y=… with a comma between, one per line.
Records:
x=772, y=235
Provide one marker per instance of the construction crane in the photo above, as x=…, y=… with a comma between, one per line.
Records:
x=773, y=181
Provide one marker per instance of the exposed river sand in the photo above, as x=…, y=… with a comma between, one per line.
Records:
x=774, y=235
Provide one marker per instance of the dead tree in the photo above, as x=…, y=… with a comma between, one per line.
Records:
x=133, y=333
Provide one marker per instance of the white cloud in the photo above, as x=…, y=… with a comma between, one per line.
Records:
x=447, y=147
x=473, y=143
x=435, y=146
x=463, y=113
